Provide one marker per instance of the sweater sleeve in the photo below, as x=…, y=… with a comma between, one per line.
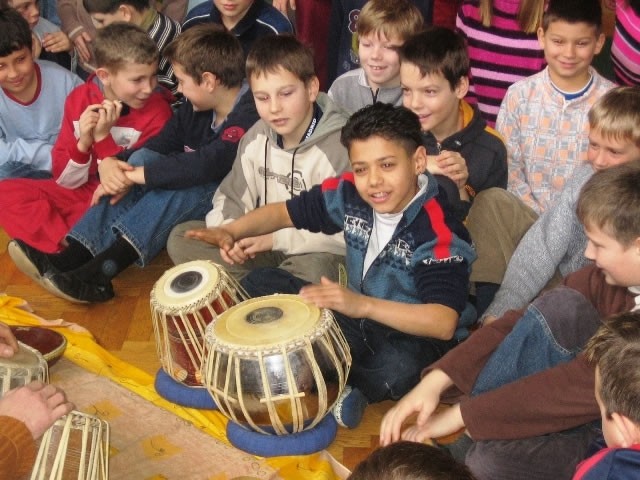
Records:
x=17, y=449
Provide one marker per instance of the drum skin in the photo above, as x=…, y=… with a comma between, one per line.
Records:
x=276, y=364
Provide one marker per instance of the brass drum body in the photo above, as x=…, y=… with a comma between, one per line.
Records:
x=276, y=364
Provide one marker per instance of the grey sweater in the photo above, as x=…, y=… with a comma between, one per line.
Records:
x=352, y=92
x=555, y=241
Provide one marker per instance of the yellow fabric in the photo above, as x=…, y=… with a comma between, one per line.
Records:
x=83, y=350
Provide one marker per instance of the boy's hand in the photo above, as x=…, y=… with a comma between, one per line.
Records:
x=423, y=400
x=136, y=175
x=81, y=42
x=438, y=425
x=332, y=295
x=86, y=125
x=97, y=195
x=214, y=236
x=112, y=176
x=8, y=342
x=108, y=115
x=36, y=46
x=57, y=42
x=454, y=166
x=282, y=5
x=248, y=248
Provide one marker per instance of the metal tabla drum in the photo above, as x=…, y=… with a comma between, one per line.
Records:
x=75, y=447
x=183, y=302
x=276, y=364
x=26, y=366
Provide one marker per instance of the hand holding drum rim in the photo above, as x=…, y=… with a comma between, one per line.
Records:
x=37, y=405
x=8, y=342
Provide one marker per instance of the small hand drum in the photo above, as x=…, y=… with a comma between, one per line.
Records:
x=183, y=302
x=75, y=447
x=276, y=364
x=26, y=366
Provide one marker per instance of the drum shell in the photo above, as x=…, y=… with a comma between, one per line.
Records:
x=27, y=366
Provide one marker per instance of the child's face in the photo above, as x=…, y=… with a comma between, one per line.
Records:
x=569, y=49
x=18, y=74
x=385, y=174
x=133, y=83
x=198, y=94
x=619, y=263
x=28, y=9
x=232, y=11
x=101, y=20
x=285, y=103
x=606, y=151
x=379, y=59
x=432, y=99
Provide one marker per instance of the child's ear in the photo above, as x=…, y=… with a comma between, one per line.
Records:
x=462, y=88
x=628, y=430
x=599, y=43
x=209, y=80
x=125, y=11
x=313, y=88
x=541, y=37
x=103, y=74
x=420, y=159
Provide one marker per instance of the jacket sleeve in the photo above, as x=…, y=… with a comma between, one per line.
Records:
x=65, y=150
x=71, y=24
x=17, y=449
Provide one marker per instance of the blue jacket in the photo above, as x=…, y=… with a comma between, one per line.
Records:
x=426, y=261
x=611, y=464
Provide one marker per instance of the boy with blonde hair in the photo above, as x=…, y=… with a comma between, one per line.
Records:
x=615, y=350
x=466, y=156
x=383, y=27
x=116, y=109
x=524, y=388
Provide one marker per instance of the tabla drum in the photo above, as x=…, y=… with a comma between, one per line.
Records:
x=26, y=366
x=183, y=302
x=75, y=447
x=276, y=364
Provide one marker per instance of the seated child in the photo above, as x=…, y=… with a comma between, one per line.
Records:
x=158, y=26
x=49, y=42
x=246, y=19
x=543, y=118
x=116, y=109
x=410, y=461
x=383, y=26
x=615, y=350
x=465, y=154
x=31, y=102
x=527, y=390
x=294, y=146
x=407, y=257
x=174, y=177
x=554, y=245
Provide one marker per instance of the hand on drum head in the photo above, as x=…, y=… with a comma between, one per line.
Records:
x=334, y=296
x=8, y=342
x=36, y=405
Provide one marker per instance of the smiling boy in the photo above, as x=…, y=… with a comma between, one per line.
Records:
x=407, y=257
x=94, y=127
x=383, y=26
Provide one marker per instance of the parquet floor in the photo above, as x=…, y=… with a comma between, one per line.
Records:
x=123, y=326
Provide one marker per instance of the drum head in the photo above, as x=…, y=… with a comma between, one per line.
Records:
x=186, y=283
x=266, y=321
x=27, y=358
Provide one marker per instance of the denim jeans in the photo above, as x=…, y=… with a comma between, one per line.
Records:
x=386, y=364
x=144, y=217
x=21, y=170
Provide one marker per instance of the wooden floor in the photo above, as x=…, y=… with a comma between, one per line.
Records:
x=123, y=326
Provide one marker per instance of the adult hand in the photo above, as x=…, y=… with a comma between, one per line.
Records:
x=36, y=405
x=81, y=42
x=36, y=46
x=8, y=342
x=282, y=5
x=57, y=42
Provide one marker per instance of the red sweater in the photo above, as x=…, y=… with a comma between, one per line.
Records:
x=553, y=400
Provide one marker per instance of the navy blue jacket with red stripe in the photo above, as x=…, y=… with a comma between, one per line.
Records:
x=427, y=259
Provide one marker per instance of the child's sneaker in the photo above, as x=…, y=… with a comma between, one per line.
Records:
x=350, y=407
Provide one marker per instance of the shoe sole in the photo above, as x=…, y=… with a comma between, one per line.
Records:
x=53, y=288
x=22, y=261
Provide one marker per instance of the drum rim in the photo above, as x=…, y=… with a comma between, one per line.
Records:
x=186, y=300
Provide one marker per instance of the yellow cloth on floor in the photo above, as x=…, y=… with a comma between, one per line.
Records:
x=83, y=350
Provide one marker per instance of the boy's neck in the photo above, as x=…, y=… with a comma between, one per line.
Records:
x=571, y=84
x=306, y=128
x=447, y=128
x=143, y=19
x=225, y=102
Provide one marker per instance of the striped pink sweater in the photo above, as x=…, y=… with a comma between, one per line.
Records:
x=500, y=54
x=625, y=50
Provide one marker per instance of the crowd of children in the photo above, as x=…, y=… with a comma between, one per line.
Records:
x=209, y=134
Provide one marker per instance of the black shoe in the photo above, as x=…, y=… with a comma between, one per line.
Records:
x=30, y=261
x=68, y=286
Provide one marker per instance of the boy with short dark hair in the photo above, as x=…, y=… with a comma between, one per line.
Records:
x=524, y=387
x=615, y=350
x=162, y=29
x=466, y=155
x=383, y=27
x=31, y=102
x=170, y=180
x=294, y=146
x=248, y=20
x=407, y=257
x=543, y=118
x=116, y=109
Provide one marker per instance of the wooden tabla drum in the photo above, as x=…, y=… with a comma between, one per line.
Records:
x=276, y=364
x=75, y=447
x=183, y=302
x=24, y=367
